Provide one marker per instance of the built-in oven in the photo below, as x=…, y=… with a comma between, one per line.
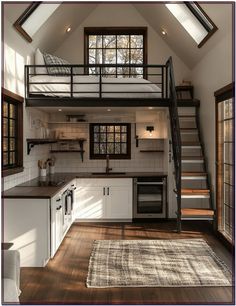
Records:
x=150, y=197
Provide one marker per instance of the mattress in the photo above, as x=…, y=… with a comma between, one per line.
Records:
x=88, y=87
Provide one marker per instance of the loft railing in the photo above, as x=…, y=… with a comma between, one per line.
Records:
x=73, y=87
x=176, y=138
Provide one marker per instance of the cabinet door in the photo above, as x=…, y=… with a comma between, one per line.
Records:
x=119, y=202
x=90, y=203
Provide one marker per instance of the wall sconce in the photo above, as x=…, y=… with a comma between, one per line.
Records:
x=150, y=129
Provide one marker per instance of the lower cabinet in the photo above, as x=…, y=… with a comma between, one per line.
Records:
x=105, y=199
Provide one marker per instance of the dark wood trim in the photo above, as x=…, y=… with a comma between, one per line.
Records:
x=117, y=31
x=9, y=96
x=7, y=172
x=199, y=18
x=224, y=93
x=111, y=156
x=12, y=95
x=23, y=17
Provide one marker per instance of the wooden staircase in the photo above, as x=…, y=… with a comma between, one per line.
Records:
x=196, y=198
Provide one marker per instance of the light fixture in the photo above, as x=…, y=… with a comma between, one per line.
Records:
x=109, y=110
x=150, y=107
x=59, y=109
x=150, y=129
x=68, y=29
x=163, y=32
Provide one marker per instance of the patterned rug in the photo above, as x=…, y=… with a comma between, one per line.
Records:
x=155, y=263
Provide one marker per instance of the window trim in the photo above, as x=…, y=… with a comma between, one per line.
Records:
x=117, y=31
x=221, y=95
x=92, y=155
x=199, y=18
x=18, y=100
x=23, y=17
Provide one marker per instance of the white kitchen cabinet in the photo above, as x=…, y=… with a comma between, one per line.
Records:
x=119, y=202
x=27, y=225
x=91, y=203
x=104, y=199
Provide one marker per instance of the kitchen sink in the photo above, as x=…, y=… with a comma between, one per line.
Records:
x=109, y=173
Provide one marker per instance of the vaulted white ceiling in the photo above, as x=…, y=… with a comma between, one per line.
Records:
x=53, y=33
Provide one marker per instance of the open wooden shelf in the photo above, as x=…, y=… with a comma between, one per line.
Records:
x=66, y=151
x=31, y=142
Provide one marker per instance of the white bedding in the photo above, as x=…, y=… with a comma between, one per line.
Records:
x=144, y=88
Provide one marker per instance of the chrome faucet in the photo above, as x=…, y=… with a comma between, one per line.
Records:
x=107, y=165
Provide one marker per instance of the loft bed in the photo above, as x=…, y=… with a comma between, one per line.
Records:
x=129, y=85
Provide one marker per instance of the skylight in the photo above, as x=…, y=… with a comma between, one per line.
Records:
x=34, y=17
x=194, y=20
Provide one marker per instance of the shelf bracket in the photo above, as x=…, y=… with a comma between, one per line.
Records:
x=30, y=145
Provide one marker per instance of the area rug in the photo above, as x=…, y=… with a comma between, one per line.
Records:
x=155, y=263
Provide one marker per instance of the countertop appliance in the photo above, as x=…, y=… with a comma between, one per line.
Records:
x=150, y=197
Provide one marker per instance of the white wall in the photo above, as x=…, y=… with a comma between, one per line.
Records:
x=213, y=72
x=116, y=15
x=16, y=53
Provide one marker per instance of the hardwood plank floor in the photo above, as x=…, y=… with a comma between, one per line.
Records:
x=62, y=281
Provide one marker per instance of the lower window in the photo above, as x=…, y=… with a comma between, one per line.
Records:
x=110, y=139
x=225, y=166
x=12, y=131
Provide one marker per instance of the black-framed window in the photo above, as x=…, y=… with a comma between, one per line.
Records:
x=113, y=139
x=12, y=132
x=225, y=161
x=116, y=46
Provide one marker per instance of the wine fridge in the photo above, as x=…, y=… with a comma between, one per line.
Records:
x=150, y=197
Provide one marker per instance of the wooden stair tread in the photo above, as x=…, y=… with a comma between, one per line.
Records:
x=197, y=212
x=195, y=191
x=186, y=129
x=186, y=143
x=193, y=173
x=192, y=157
x=187, y=116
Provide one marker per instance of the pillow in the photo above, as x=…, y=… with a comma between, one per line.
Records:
x=39, y=60
x=54, y=60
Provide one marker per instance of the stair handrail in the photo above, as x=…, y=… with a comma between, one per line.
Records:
x=175, y=134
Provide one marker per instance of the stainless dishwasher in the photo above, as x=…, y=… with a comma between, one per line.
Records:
x=149, y=197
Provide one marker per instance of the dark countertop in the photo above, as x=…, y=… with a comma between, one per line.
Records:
x=47, y=192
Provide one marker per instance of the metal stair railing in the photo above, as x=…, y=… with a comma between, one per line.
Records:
x=176, y=137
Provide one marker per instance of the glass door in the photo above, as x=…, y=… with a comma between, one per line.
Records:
x=225, y=166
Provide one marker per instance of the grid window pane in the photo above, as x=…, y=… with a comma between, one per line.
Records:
x=12, y=111
x=5, y=109
x=5, y=127
x=116, y=49
x=5, y=159
x=108, y=139
x=5, y=144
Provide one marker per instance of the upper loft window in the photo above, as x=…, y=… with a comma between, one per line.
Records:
x=33, y=18
x=116, y=46
x=194, y=20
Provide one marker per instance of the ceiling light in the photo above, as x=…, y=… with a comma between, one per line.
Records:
x=150, y=107
x=68, y=29
x=109, y=110
x=163, y=32
x=59, y=109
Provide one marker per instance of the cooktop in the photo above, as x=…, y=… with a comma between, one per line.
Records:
x=41, y=182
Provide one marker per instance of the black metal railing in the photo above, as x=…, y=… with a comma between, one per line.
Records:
x=73, y=83
x=176, y=138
